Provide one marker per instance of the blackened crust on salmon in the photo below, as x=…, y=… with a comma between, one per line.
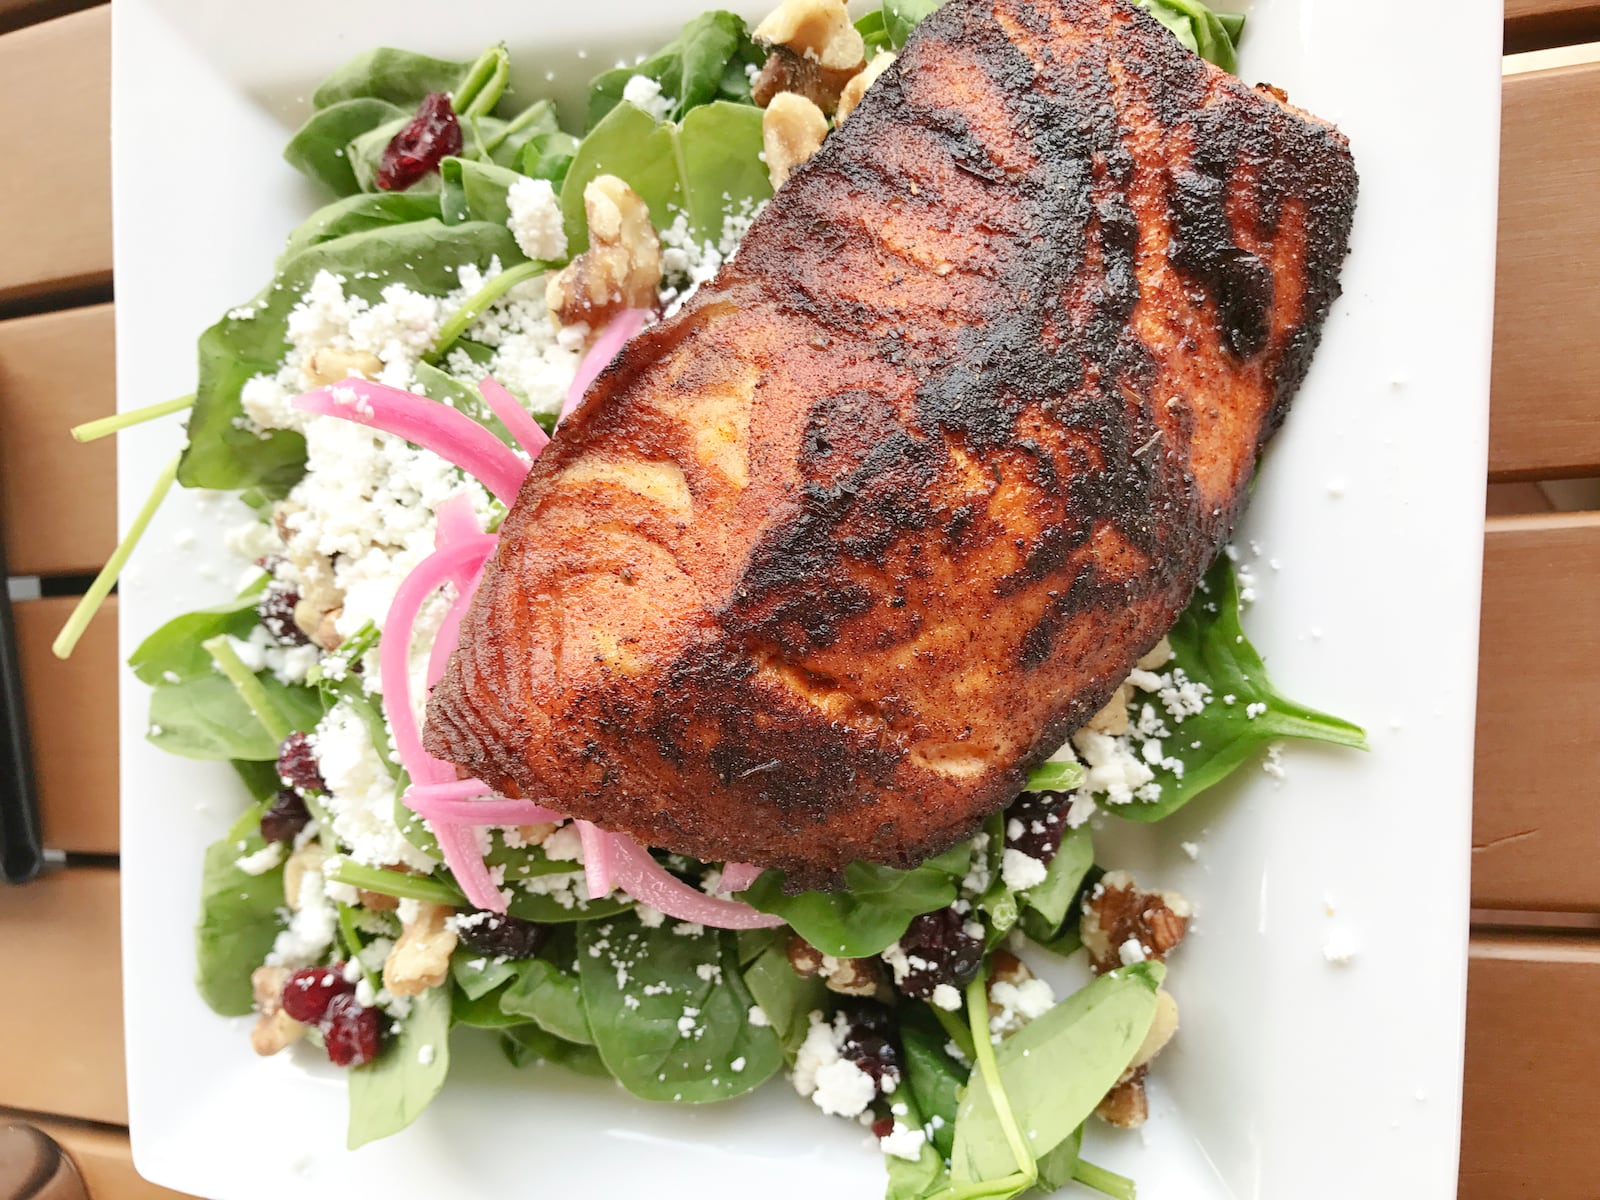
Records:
x=825, y=563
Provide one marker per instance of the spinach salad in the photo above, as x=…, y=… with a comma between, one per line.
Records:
x=445, y=267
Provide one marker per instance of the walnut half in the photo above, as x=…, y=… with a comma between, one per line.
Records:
x=421, y=958
x=818, y=30
x=274, y=1029
x=622, y=266
x=1122, y=924
x=852, y=92
x=792, y=130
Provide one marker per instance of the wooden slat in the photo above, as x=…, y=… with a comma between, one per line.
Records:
x=1536, y=818
x=14, y=14
x=1546, y=355
x=1532, y=1044
x=55, y=84
x=58, y=499
x=61, y=1006
x=1535, y=24
x=100, y=1153
x=72, y=723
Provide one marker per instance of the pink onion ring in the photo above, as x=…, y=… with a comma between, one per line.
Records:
x=496, y=811
x=616, y=332
x=598, y=866
x=738, y=876
x=451, y=435
x=514, y=417
x=649, y=882
x=454, y=521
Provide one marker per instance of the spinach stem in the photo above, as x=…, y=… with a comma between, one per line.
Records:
x=1323, y=729
x=956, y=1031
x=472, y=308
x=1106, y=1182
x=480, y=91
x=393, y=883
x=250, y=689
x=92, y=430
x=989, y=1068
x=1006, y=1185
x=351, y=937
x=67, y=639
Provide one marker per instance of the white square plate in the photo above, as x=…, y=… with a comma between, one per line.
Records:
x=1292, y=1077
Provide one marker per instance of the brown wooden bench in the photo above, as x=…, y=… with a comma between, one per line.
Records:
x=1531, y=1100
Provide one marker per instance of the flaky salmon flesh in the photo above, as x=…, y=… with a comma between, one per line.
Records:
x=827, y=561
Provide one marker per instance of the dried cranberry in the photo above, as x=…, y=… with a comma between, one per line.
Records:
x=276, y=610
x=497, y=936
x=297, y=764
x=1041, y=817
x=941, y=952
x=882, y=1127
x=433, y=134
x=349, y=1031
x=308, y=992
x=285, y=817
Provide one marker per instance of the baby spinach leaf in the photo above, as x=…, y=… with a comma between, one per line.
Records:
x=205, y=717
x=1209, y=645
x=1055, y=1070
x=398, y=76
x=705, y=167
x=319, y=148
x=548, y=156
x=923, y=1176
x=1063, y=879
x=874, y=32
x=424, y=255
x=260, y=778
x=478, y=974
x=703, y=63
x=358, y=214
x=1056, y=1169
x=481, y=1012
x=900, y=17
x=365, y=152
x=670, y=1012
x=474, y=191
x=543, y=993
x=547, y=910
x=391, y=1091
x=935, y=1079
x=524, y=1045
x=175, y=649
x=785, y=997
x=871, y=911
x=238, y=918
x=1054, y=777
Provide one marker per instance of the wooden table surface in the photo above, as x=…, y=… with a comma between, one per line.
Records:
x=1533, y=1037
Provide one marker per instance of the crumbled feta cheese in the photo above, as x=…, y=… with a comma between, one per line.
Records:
x=945, y=996
x=262, y=861
x=425, y=1055
x=1021, y=871
x=1192, y=849
x=536, y=221
x=361, y=794
x=903, y=1142
x=1019, y=1004
x=650, y=918
x=1113, y=769
x=1131, y=951
x=758, y=1017
x=1340, y=947
x=1273, y=763
x=564, y=845
x=646, y=93
x=311, y=929
x=843, y=1089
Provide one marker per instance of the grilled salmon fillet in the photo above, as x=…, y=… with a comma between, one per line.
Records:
x=826, y=562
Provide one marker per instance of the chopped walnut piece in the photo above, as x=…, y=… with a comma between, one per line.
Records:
x=307, y=858
x=818, y=30
x=805, y=958
x=330, y=365
x=620, y=269
x=853, y=976
x=1119, y=919
x=786, y=71
x=1162, y=1028
x=792, y=130
x=851, y=94
x=1126, y=1106
x=1160, y=655
x=421, y=958
x=274, y=1029
x=377, y=901
x=1112, y=720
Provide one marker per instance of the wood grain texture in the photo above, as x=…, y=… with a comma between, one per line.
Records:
x=14, y=14
x=1536, y=818
x=1546, y=356
x=1536, y=24
x=72, y=722
x=56, y=206
x=100, y=1153
x=58, y=499
x=1532, y=1043
x=63, y=1042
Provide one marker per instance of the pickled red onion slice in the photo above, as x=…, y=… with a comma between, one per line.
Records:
x=616, y=332
x=514, y=417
